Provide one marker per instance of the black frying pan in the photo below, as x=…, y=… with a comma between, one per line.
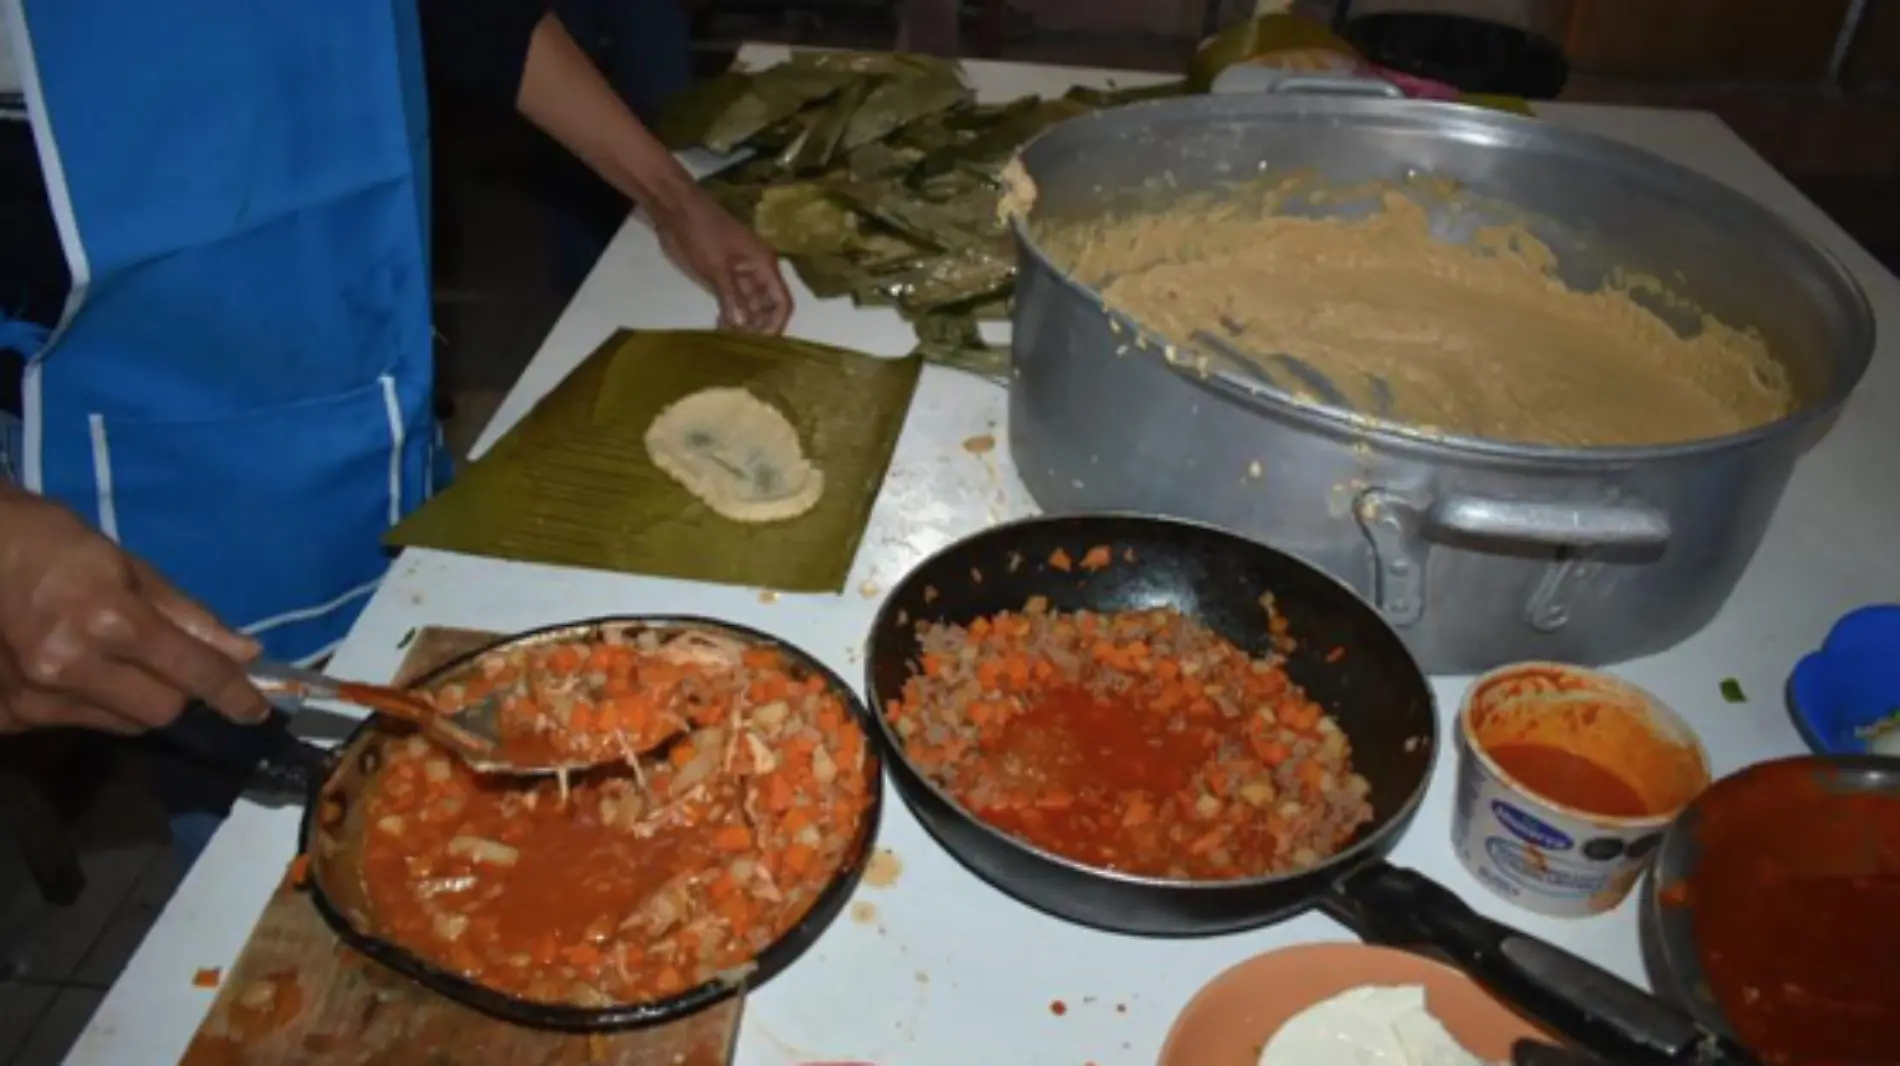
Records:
x=1375, y=691
x=332, y=782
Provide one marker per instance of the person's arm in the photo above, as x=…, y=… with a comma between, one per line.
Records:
x=563, y=93
x=90, y=636
x=518, y=49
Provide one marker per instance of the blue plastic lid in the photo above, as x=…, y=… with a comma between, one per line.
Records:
x=1852, y=682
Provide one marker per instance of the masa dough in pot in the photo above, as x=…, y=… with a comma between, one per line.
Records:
x=1480, y=340
x=736, y=453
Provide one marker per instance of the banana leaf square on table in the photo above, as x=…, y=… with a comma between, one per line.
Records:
x=572, y=483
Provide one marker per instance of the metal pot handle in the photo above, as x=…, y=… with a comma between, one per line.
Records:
x=1559, y=525
x=1333, y=85
x=1242, y=78
x=1399, y=525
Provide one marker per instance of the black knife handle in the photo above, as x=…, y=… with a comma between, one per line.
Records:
x=1588, y=1005
x=1538, y=1053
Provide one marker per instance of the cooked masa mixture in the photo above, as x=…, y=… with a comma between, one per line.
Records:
x=1481, y=339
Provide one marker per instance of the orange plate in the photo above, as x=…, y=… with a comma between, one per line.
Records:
x=1233, y=1017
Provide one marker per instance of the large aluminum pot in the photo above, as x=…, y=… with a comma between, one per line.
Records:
x=1478, y=552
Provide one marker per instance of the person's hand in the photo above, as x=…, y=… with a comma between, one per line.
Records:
x=90, y=636
x=741, y=270
x=563, y=94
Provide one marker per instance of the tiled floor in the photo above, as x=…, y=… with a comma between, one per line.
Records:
x=57, y=962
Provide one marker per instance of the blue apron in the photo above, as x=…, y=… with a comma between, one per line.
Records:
x=240, y=391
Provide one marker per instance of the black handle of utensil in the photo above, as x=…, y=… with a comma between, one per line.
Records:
x=1538, y=1053
x=1393, y=905
x=278, y=763
x=294, y=771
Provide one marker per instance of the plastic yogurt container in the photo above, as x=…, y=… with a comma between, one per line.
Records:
x=1567, y=778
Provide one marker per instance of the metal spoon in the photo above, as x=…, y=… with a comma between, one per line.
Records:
x=472, y=734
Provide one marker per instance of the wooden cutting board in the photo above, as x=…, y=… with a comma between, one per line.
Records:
x=298, y=996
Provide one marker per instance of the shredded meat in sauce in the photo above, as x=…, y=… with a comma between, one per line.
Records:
x=588, y=704
x=1142, y=742
x=637, y=881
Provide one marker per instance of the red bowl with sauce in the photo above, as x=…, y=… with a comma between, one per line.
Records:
x=1567, y=779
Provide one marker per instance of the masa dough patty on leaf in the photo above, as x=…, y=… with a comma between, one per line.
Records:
x=737, y=453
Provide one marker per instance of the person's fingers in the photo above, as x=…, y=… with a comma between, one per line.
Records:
x=81, y=716
x=746, y=291
x=41, y=711
x=186, y=614
x=127, y=692
x=757, y=296
x=728, y=287
x=780, y=296
x=194, y=667
x=770, y=298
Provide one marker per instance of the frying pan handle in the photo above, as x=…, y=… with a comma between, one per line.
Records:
x=280, y=765
x=1538, y=1053
x=294, y=771
x=1393, y=905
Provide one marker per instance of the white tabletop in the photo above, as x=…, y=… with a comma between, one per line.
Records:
x=948, y=971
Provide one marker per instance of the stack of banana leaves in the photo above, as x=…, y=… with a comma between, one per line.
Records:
x=878, y=176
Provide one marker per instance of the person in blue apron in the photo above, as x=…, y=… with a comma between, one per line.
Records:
x=235, y=391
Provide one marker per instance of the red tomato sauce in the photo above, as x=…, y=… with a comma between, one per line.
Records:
x=640, y=880
x=1139, y=741
x=1569, y=779
x=1091, y=754
x=1796, y=908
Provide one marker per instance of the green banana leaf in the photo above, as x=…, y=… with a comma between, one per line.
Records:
x=816, y=147
x=772, y=96
x=804, y=219
x=955, y=341
x=967, y=222
x=691, y=115
x=1116, y=97
x=880, y=160
x=829, y=276
x=572, y=483
x=967, y=277
x=898, y=102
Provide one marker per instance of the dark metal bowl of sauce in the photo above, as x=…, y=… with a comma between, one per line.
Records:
x=1773, y=911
